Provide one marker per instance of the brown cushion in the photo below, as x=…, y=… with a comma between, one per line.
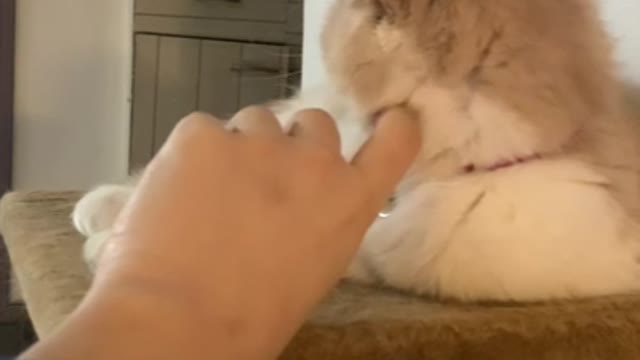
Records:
x=356, y=322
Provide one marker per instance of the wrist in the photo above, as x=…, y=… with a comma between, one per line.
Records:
x=130, y=319
x=123, y=325
x=255, y=319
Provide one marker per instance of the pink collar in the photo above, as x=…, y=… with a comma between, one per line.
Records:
x=469, y=169
x=472, y=168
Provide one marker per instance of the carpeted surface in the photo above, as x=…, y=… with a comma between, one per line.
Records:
x=356, y=322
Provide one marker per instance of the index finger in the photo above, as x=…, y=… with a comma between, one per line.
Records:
x=390, y=151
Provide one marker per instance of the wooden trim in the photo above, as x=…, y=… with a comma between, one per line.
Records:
x=7, y=60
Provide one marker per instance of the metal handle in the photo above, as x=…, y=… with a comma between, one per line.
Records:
x=255, y=68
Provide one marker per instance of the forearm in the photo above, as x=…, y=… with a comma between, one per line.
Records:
x=156, y=325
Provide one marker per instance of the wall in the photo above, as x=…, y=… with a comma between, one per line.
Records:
x=72, y=87
x=312, y=66
x=620, y=15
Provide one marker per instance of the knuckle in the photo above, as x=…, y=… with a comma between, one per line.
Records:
x=317, y=114
x=198, y=117
x=323, y=158
x=255, y=111
x=194, y=123
x=266, y=148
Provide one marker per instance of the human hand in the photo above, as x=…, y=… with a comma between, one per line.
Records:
x=242, y=233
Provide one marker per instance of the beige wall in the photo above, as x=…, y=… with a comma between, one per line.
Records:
x=312, y=67
x=72, y=88
x=622, y=18
x=73, y=66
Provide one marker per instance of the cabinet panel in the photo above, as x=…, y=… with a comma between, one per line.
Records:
x=178, y=79
x=219, y=85
x=264, y=10
x=175, y=76
x=263, y=71
x=145, y=74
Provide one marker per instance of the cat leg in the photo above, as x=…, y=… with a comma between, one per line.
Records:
x=93, y=248
x=98, y=209
x=94, y=216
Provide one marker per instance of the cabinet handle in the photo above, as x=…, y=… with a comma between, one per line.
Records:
x=255, y=68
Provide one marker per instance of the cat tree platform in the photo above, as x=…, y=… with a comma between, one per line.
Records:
x=356, y=322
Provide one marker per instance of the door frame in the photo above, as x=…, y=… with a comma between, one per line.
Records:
x=7, y=78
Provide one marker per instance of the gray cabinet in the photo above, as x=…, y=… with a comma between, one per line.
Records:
x=176, y=73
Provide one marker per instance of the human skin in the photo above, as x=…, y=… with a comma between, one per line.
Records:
x=232, y=238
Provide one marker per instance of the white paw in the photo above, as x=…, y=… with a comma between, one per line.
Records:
x=98, y=209
x=360, y=271
x=93, y=247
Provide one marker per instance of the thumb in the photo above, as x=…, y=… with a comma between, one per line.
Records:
x=390, y=151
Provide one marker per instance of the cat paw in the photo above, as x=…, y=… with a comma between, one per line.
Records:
x=360, y=271
x=97, y=211
x=93, y=247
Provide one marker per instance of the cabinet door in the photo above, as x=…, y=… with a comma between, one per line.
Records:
x=143, y=114
x=174, y=76
x=235, y=75
x=177, y=84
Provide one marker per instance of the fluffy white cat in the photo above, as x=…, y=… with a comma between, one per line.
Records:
x=527, y=187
